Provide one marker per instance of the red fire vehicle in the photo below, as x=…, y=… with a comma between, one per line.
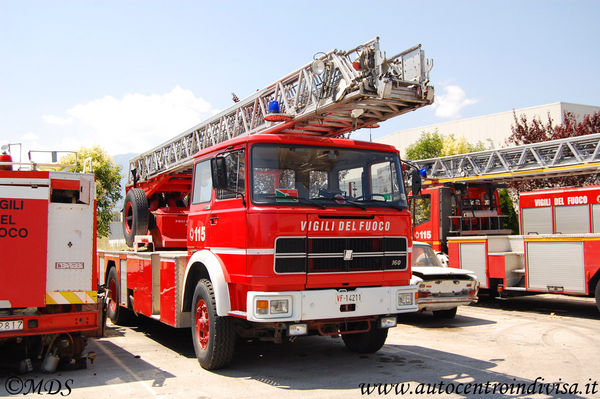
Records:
x=559, y=250
x=277, y=227
x=48, y=290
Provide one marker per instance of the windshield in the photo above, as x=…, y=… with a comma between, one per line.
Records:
x=325, y=176
x=423, y=255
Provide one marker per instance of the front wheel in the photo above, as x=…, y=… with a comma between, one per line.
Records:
x=213, y=336
x=367, y=342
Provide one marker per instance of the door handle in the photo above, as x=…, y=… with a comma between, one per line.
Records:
x=214, y=219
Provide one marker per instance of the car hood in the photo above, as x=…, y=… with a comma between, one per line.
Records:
x=439, y=271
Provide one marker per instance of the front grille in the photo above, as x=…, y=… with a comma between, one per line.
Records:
x=339, y=255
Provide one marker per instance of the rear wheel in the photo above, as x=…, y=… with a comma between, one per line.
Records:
x=445, y=314
x=367, y=342
x=136, y=217
x=117, y=314
x=213, y=336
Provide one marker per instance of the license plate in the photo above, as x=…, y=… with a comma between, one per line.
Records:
x=11, y=325
x=347, y=297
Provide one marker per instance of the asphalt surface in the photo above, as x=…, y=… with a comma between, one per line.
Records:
x=495, y=349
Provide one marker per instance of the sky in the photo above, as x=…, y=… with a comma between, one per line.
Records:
x=129, y=75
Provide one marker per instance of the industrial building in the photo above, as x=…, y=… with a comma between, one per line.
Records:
x=492, y=129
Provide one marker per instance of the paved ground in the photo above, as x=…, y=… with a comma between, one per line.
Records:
x=549, y=338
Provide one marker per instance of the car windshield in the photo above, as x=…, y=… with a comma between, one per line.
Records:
x=325, y=176
x=423, y=255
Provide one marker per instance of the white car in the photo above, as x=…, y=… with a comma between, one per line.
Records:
x=441, y=289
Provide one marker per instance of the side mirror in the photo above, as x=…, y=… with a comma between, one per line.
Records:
x=219, y=173
x=415, y=178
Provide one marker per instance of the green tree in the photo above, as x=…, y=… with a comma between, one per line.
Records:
x=433, y=145
x=429, y=145
x=108, y=183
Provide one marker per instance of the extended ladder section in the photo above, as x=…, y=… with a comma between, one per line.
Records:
x=570, y=156
x=335, y=94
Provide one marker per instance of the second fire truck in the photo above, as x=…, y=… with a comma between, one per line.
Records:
x=558, y=250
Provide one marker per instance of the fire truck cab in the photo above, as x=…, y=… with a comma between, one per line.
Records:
x=456, y=209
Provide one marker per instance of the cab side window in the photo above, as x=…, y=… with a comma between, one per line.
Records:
x=235, y=164
x=421, y=209
x=202, y=183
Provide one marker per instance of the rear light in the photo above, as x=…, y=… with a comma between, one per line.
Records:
x=356, y=65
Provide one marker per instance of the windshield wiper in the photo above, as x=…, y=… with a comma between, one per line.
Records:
x=291, y=200
x=342, y=200
x=386, y=204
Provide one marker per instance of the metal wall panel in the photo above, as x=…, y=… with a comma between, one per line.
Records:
x=473, y=258
x=596, y=218
x=537, y=220
x=572, y=219
x=555, y=264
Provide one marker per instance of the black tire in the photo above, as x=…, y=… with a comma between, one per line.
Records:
x=136, y=217
x=445, y=314
x=116, y=313
x=597, y=295
x=213, y=336
x=368, y=342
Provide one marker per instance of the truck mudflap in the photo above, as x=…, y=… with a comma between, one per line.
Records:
x=330, y=303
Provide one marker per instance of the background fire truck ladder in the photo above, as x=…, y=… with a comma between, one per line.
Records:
x=570, y=156
x=337, y=93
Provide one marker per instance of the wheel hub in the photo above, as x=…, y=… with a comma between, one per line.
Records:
x=112, y=295
x=202, y=324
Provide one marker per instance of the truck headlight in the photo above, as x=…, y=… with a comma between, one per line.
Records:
x=273, y=307
x=405, y=298
x=279, y=306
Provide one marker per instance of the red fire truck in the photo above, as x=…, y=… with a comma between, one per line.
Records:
x=277, y=227
x=48, y=291
x=559, y=248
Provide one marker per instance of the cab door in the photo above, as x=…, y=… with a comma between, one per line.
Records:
x=226, y=229
x=200, y=206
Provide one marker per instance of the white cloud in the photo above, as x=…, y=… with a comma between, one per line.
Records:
x=449, y=104
x=57, y=120
x=30, y=136
x=134, y=123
